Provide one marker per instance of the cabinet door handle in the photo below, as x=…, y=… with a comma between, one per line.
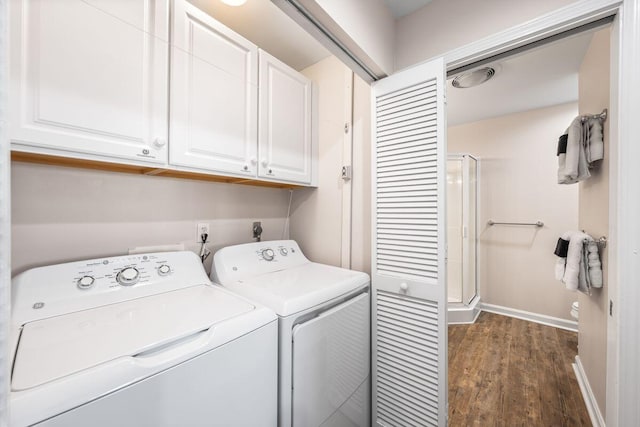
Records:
x=159, y=142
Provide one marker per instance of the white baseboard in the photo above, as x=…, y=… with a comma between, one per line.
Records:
x=569, y=325
x=587, y=395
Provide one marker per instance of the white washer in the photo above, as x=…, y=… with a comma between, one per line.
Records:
x=141, y=340
x=324, y=326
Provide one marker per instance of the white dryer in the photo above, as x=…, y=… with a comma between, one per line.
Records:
x=142, y=340
x=324, y=327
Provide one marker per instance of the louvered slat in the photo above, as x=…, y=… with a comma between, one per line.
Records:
x=407, y=168
x=407, y=360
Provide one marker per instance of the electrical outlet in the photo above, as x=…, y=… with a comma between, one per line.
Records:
x=201, y=228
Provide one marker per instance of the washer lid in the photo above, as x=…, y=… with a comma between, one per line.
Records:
x=60, y=346
x=299, y=288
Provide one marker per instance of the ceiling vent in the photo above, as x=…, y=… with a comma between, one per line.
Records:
x=473, y=78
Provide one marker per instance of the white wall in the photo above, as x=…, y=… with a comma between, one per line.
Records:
x=316, y=213
x=63, y=214
x=444, y=25
x=518, y=183
x=593, y=86
x=361, y=182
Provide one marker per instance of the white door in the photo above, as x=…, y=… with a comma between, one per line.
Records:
x=409, y=324
x=285, y=122
x=89, y=78
x=214, y=95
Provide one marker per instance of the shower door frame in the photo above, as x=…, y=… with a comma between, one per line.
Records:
x=464, y=157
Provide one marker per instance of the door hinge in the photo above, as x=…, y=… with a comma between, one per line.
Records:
x=611, y=308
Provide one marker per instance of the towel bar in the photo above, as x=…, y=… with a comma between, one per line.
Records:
x=602, y=116
x=537, y=223
x=601, y=242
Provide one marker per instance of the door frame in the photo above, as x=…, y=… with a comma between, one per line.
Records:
x=5, y=216
x=623, y=342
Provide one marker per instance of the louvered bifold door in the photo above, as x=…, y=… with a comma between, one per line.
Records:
x=408, y=249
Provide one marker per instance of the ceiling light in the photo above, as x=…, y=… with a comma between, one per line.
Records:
x=473, y=78
x=234, y=2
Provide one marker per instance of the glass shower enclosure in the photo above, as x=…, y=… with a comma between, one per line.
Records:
x=462, y=212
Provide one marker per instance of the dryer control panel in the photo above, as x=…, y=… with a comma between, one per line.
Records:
x=63, y=288
x=235, y=263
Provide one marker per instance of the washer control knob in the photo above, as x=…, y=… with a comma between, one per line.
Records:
x=164, y=270
x=268, y=254
x=284, y=251
x=128, y=276
x=85, y=282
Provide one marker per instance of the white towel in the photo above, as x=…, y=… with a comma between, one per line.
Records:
x=595, y=266
x=573, y=167
x=572, y=278
x=596, y=141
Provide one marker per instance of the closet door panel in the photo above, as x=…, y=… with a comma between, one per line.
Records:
x=213, y=95
x=86, y=81
x=409, y=324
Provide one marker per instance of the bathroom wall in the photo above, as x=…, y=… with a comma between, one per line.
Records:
x=444, y=25
x=63, y=214
x=593, y=88
x=518, y=183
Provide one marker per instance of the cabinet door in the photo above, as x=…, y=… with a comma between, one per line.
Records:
x=214, y=98
x=285, y=122
x=89, y=78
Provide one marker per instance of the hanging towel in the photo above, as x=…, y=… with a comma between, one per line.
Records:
x=573, y=167
x=586, y=138
x=562, y=248
x=596, y=140
x=595, y=266
x=581, y=270
x=575, y=277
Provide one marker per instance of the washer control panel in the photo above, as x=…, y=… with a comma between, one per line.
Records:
x=121, y=271
x=52, y=290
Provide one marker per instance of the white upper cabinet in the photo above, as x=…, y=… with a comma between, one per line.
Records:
x=285, y=143
x=214, y=98
x=89, y=78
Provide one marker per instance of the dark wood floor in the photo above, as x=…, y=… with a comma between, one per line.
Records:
x=510, y=372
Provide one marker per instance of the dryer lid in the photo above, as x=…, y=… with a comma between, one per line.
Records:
x=59, y=346
x=299, y=288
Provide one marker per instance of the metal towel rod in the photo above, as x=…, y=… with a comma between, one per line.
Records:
x=602, y=116
x=537, y=223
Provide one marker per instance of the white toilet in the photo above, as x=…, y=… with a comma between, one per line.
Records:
x=574, y=310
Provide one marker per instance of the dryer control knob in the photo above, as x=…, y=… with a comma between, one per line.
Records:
x=268, y=254
x=85, y=282
x=164, y=270
x=284, y=251
x=128, y=276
